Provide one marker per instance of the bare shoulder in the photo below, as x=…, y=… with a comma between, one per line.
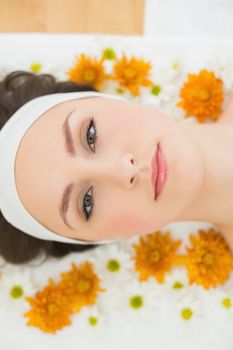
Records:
x=227, y=114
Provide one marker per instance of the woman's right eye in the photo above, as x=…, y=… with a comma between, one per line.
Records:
x=91, y=134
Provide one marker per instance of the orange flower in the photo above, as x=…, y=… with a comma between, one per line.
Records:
x=131, y=73
x=202, y=96
x=209, y=260
x=80, y=285
x=50, y=310
x=88, y=71
x=155, y=255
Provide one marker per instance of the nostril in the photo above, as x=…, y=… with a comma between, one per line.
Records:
x=132, y=161
x=131, y=180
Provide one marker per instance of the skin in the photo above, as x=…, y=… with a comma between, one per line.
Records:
x=199, y=159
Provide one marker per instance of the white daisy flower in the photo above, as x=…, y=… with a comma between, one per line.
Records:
x=138, y=301
x=91, y=322
x=112, y=263
x=222, y=65
x=176, y=283
x=219, y=304
x=15, y=284
x=161, y=94
x=169, y=68
x=188, y=312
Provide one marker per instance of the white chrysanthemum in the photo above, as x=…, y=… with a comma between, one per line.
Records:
x=112, y=259
x=91, y=322
x=187, y=311
x=171, y=69
x=137, y=301
x=163, y=94
x=15, y=284
x=219, y=304
x=176, y=282
x=112, y=263
x=222, y=65
x=38, y=62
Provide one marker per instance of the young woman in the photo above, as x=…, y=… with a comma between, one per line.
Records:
x=100, y=150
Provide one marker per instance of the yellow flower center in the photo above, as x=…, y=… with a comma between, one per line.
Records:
x=203, y=94
x=36, y=67
x=129, y=73
x=83, y=285
x=52, y=309
x=175, y=65
x=16, y=291
x=226, y=302
x=208, y=259
x=186, y=313
x=177, y=285
x=155, y=256
x=89, y=75
x=92, y=320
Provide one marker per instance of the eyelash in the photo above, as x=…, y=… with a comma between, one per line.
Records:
x=87, y=215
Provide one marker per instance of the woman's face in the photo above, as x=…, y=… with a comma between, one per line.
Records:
x=114, y=171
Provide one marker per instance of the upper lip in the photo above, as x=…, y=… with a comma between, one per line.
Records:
x=154, y=180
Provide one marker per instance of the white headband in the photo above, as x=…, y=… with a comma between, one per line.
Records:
x=10, y=136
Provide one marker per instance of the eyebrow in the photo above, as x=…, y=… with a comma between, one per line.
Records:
x=69, y=141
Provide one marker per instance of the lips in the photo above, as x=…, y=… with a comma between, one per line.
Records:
x=159, y=171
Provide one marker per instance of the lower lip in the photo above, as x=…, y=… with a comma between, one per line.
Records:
x=162, y=175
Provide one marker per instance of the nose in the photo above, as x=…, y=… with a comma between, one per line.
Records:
x=122, y=169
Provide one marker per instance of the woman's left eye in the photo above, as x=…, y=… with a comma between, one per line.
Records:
x=91, y=133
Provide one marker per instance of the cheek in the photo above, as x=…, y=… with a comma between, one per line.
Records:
x=123, y=223
x=127, y=224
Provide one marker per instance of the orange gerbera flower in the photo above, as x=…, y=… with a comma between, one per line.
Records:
x=209, y=260
x=131, y=73
x=155, y=255
x=202, y=96
x=80, y=285
x=88, y=70
x=50, y=310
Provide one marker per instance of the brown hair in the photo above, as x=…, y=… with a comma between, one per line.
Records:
x=16, y=89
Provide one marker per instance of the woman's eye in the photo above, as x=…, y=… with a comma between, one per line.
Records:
x=91, y=134
x=88, y=202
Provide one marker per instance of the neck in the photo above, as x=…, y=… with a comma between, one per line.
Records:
x=214, y=202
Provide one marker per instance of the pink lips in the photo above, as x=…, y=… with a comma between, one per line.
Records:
x=159, y=171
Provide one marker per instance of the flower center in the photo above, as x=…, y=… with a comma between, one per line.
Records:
x=177, y=285
x=136, y=301
x=89, y=75
x=186, y=313
x=93, y=320
x=109, y=53
x=155, y=256
x=16, y=291
x=52, y=309
x=113, y=265
x=83, y=285
x=156, y=90
x=208, y=259
x=226, y=302
x=129, y=73
x=203, y=94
